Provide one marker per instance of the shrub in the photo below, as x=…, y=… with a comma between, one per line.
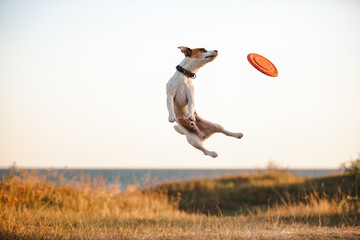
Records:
x=352, y=167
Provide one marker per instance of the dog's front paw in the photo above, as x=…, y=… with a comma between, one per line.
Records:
x=191, y=117
x=171, y=118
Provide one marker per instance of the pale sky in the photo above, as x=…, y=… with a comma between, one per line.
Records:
x=82, y=83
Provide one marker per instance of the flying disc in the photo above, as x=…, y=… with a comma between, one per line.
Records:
x=262, y=64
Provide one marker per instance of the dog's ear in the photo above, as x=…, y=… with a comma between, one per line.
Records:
x=187, y=51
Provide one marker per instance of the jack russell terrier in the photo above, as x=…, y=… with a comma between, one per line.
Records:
x=180, y=100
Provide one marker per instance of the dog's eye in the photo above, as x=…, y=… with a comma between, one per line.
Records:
x=202, y=50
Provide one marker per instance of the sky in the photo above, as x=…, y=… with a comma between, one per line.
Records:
x=82, y=83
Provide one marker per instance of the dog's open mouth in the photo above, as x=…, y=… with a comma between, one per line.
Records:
x=211, y=56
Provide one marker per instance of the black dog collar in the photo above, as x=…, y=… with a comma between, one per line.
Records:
x=186, y=72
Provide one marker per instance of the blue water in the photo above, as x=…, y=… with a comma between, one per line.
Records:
x=151, y=177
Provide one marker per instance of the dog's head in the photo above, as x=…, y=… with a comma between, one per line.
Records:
x=200, y=55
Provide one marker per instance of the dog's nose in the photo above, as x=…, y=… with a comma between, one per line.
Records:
x=215, y=51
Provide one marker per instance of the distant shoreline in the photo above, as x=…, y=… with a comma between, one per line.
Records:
x=152, y=168
x=142, y=177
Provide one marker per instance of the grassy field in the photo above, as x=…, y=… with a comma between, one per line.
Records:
x=263, y=205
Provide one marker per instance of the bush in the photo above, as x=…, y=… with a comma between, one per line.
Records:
x=352, y=167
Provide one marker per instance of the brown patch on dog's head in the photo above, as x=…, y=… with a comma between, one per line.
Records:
x=197, y=52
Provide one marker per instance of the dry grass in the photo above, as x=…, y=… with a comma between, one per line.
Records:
x=33, y=209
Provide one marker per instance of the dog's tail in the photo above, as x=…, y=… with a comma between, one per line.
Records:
x=188, y=125
x=178, y=129
x=191, y=126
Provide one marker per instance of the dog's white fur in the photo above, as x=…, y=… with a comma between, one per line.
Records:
x=180, y=102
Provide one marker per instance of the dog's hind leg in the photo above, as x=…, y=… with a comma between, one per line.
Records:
x=195, y=141
x=221, y=129
x=210, y=128
x=179, y=130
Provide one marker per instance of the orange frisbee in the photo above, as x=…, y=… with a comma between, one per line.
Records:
x=262, y=64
